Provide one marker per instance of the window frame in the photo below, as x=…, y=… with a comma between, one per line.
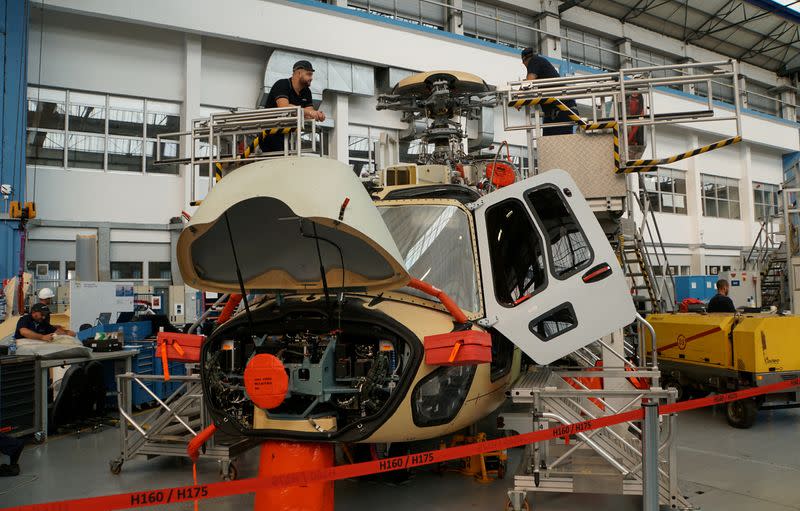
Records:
x=33, y=93
x=540, y=225
x=670, y=173
x=716, y=182
x=124, y=279
x=536, y=228
x=774, y=208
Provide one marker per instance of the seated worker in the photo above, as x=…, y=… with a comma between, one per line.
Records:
x=34, y=325
x=539, y=68
x=12, y=448
x=720, y=302
x=293, y=91
x=45, y=298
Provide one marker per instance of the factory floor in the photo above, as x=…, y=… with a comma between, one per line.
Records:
x=721, y=468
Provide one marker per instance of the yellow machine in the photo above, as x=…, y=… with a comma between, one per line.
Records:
x=702, y=353
x=485, y=467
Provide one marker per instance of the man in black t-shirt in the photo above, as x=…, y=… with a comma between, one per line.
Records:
x=540, y=68
x=292, y=91
x=720, y=302
x=35, y=325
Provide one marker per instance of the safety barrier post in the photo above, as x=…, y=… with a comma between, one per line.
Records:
x=650, y=436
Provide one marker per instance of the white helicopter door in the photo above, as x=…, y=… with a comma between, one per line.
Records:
x=552, y=284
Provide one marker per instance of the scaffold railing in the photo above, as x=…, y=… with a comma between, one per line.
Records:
x=626, y=103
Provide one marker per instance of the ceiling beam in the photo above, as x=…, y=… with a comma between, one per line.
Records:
x=569, y=4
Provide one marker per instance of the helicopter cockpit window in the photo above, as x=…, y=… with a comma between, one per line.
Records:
x=436, y=244
x=516, y=253
x=570, y=251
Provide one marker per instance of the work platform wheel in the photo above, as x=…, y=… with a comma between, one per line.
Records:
x=524, y=506
x=742, y=414
x=115, y=466
x=228, y=471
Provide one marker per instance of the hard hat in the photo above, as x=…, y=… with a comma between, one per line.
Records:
x=46, y=293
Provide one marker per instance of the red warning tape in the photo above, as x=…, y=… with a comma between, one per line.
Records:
x=225, y=489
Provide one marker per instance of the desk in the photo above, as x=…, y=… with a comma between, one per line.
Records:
x=44, y=364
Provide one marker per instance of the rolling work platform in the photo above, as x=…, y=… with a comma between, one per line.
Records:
x=617, y=116
x=167, y=430
x=608, y=460
x=223, y=141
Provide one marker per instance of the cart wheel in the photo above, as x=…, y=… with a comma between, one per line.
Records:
x=742, y=414
x=525, y=505
x=231, y=474
x=39, y=437
x=115, y=466
x=675, y=384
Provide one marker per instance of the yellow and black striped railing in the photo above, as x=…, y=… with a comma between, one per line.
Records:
x=251, y=148
x=650, y=165
x=631, y=165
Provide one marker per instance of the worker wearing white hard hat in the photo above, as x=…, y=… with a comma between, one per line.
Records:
x=46, y=296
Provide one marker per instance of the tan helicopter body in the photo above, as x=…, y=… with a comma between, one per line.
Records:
x=352, y=342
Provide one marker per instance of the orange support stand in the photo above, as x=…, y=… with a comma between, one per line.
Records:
x=285, y=457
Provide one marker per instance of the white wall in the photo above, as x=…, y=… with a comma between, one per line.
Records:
x=100, y=55
x=232, y=72
x=94, y=196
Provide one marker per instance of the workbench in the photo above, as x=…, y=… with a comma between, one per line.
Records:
x=43, y=365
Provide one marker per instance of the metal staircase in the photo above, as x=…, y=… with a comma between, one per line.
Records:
x=607, y=460
x=773, y=278
x=767, y=257
x=633, y=262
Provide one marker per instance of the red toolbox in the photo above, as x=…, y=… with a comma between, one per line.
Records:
x=458, y=348
x=180, y=347
x=177, y=347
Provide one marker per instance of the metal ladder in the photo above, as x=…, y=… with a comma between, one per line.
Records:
x=633, y=262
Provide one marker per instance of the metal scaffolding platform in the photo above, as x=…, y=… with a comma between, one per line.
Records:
x=166, y=430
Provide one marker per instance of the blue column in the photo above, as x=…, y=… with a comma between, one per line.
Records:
x=14, y=15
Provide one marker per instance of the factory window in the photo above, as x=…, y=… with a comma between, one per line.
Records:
x=161, y=118
x=589, y=49
x=569, y=249
x=45, y=273
x=516, y=253
x=123, y=270
x=498, y=25
x=760, y=98
x=721, y=89
x=720, y=197
x=70, y=269
x=643, y=57
x=666, y=190
x=361, y=154
x=418, y=12
x=765, y=200
x=159, y=270
x=78, y=130
x=414, y=151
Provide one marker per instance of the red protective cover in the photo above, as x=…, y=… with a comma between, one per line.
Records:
x=180, y=347
x=458, y=348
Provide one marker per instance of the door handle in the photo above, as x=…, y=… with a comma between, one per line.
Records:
x=597, y=273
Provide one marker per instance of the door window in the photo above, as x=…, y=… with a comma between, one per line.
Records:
x=516, y=253
x=569, y=249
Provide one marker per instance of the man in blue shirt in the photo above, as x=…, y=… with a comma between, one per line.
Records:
x=721, y=302
x=35, y=325
x=292, y=91
x=540, y=68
